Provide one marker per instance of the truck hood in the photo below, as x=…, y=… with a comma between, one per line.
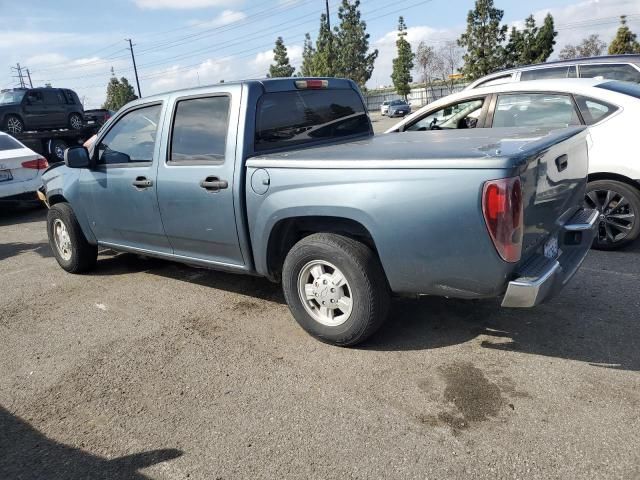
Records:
x=483, y=148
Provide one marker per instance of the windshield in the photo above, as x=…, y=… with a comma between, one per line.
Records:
x=627, y=88
x=300, y=117
x=11, y=97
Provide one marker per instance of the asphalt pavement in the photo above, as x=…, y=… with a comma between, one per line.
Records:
x=148, y=369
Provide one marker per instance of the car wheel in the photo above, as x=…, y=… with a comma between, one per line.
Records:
x=13, y=124
x=336, y=288
x=56, y=150
x=619, y=207
x=70, y=247
x=75, y=121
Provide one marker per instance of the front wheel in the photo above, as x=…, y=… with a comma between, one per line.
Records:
x=336, y=288
x=70, y=247
x=619, y=207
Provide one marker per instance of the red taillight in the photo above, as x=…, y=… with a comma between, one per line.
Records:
x=37, y=164
x=312, y=84
x=503, y=212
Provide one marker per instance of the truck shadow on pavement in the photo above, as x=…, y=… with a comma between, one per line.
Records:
x=575, y=326
x=27, y=454
x=12, y=249
x=585, y=322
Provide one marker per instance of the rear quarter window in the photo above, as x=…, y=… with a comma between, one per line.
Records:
x=294, y=118
x=593, y=110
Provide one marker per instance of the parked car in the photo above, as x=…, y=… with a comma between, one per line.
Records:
x=220, y=178
x=384, y=108
x=97, y=116
x=611, y=109
x=40, y=109
x=398, y=108
x=613, y=67
x=20, y=171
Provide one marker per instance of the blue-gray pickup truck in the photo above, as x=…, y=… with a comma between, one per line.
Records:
x=284, y=178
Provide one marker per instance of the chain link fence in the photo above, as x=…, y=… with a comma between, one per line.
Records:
x=417, y=97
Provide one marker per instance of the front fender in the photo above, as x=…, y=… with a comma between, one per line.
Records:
x=62, y=184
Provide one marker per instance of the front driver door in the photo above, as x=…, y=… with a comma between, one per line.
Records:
x=121, y=190
x=195, y=180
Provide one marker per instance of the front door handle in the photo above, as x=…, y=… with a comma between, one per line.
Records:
x=214, y=184
x=142, y=182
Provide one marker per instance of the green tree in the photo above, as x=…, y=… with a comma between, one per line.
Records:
x=545, y=40
x=119, y=93
x=352, y=58
x=591, y=46
x=531, y=45
x=323, y=64
x=624, y=41
x=308, y=57
x=403, y=63
x=282, y=67
x=483, y=40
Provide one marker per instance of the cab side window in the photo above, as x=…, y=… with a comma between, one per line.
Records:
x=457, y=116
x=131, y=139
x=51, y=97
x=35, y=98
x=535, y=110
x=199, y=132
x=544, y=73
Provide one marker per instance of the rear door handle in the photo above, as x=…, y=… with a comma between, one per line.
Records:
x=214, y=184
x=562, y=162
x=142, y=182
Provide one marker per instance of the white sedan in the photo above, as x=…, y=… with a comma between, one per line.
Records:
x=20, y=170
x=610, y=108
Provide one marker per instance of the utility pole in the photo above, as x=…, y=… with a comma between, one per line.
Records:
x=29, y=76
x=20, y=78
x=329, y=57
x=135, y=69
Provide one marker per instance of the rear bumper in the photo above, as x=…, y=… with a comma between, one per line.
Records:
x=542, y=278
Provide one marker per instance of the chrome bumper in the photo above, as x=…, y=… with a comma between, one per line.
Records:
x=542, y=278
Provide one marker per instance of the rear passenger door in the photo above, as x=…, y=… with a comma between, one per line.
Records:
x=532, y=110
x=195, y=178
x=55, y=107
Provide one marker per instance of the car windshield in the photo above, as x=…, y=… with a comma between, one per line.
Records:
x=11, y=97
x=627, y=88
x=397, y=102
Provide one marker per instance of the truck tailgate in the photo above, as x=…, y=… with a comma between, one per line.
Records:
x=553, y=187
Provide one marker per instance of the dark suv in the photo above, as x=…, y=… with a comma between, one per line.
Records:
x=40, y=109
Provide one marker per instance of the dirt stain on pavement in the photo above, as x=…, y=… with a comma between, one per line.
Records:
x=471, y=395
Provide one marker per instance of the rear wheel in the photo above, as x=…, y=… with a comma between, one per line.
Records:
x=56, y=150
x=619, y=207
x=335, y=288
x=70, y=247
x=75, y=121
x=13, y=124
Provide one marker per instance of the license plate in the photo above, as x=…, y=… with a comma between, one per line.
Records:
x=5, y=175
x=551, y=248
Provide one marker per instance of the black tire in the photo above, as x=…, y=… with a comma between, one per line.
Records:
x=83, y=255
x=56, y=150
x=75, y=121
x=608, y=235
x=367, y=283
x=13, y=124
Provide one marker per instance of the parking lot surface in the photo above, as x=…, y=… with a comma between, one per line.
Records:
x=148, y=369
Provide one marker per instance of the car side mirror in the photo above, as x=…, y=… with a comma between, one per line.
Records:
x=76, y=157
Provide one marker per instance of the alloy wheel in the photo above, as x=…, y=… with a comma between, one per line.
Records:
x=617, y=216
x=325, y=293
x=62, y=240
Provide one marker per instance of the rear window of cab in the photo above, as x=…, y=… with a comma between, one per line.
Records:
x=299, y=117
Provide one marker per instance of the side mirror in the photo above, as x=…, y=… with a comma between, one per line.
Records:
x=76, y=157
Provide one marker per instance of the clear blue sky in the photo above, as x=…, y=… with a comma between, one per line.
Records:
x=181, y=43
